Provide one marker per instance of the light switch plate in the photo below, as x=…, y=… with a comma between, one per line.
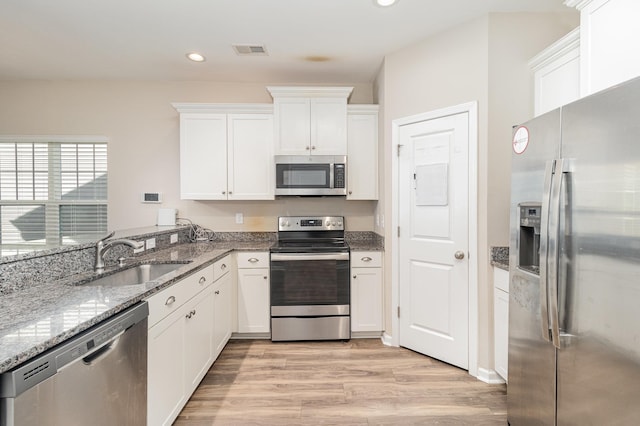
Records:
x=139, y=250
x=239, y=218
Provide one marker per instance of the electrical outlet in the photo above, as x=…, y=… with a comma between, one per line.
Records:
x=239, y=218
x=139, y=250
x=151, y=243
x=173, y=239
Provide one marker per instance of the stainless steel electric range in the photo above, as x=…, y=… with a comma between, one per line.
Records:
x=310, y=298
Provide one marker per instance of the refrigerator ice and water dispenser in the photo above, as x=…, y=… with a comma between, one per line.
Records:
x=529, y=237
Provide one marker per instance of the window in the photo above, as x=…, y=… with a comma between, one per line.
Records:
x=53, y=191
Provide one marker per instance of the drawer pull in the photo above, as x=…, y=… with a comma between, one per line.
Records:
x=253, y=260
x=170, y=300
x=223, y=266
x=265, y=277
x=190, y=314
x=202, y=280
x=366, y=259
x=217, y=292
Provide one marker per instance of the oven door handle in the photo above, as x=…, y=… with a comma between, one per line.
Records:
x=278, y=257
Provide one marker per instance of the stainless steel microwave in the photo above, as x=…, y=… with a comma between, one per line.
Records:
x=311, y=175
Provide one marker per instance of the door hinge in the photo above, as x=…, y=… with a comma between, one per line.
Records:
x=398, y=311
x=399, y=146
x=398, y=231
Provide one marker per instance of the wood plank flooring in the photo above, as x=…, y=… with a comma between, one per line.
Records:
x=360, y=382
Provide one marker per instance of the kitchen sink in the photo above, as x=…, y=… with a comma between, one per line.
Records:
x=137, y=274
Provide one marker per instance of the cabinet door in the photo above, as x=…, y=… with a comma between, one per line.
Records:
x=362, y=156
x=253, y=301
x=166, y=391
x=292, y=126
x=222, y=314
x=198, y=338
x=203, y=156
x=328, y=126
x=501, y=331
x=250, y=160
x=366, y=299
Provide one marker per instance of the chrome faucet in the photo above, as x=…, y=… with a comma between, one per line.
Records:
x=102, y=246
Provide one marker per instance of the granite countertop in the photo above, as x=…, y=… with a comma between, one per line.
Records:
x=364, y=241
x=41, y=316
x=500, y=257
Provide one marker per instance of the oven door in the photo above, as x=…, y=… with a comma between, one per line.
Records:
x=309, y=284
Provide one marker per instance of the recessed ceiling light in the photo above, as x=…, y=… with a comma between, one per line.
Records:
x=385, y=3
x=195, y=57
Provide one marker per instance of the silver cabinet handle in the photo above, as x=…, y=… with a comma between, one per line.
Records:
x=190, y=314
x=253, y=260
x=350, y=192
x=224, y=192
x=223, y=266
x=307, y=148
x=355, y=276
x=230, y=192
x=202, y=280
x=217, y=292
x=170, y=300
x=265, y=277
x=313, y=147
x=459, y=255
x=366, y=259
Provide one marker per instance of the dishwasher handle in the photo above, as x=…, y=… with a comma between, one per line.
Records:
x=103, y=351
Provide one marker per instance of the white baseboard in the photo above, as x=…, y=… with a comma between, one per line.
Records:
x=386, y=339
x=489, y=376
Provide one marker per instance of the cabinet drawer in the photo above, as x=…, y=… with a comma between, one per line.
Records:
x=168, y=300
x=253, y=259
x=221, y=267
x=366, y=259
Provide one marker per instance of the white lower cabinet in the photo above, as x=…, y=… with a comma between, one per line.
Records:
x=254, y=314
x=366, y=291
x=189, y=324
x=501, y=320
x=222, y=313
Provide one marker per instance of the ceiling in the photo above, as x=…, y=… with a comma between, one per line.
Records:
x=327, y=41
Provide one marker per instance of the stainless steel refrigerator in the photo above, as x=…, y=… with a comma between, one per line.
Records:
x=574, y=292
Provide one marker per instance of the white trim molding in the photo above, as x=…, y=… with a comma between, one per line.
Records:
x=471, y=108
x=578, y=4
x=489, y=376
x=558, y=49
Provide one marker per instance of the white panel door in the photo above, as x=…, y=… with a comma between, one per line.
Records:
x=362, y=156
x=434, y=238
x=222, y=314
x=329, y=126
x=254, y=314
x=203, y=156
x=292, y=121
x=198, y=338
x=251, y=167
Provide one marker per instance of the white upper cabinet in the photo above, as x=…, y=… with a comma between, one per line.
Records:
x=556, y=74
x=226, y=152
x=203, y=156
x=608, y=42
x=310, y=120
x=362, y=152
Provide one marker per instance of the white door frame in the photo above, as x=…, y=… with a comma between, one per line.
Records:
x=472, y=109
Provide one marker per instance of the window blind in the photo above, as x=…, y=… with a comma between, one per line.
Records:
x=52, y=192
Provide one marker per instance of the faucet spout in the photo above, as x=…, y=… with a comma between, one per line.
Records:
x=103, y=245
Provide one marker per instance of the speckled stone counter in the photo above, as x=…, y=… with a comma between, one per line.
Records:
x=364, y=241
x=41, y=315
x=500, y=257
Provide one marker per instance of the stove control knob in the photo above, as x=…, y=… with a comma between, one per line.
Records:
x=327, y=223
x=333, y=224
x=285, y=223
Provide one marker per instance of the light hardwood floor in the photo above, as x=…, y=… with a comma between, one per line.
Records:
x=360, y=382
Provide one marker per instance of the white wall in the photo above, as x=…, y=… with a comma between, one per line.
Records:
x=471, y=62
x=143, y=132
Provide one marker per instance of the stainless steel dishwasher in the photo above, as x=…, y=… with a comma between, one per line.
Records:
x=96, y=378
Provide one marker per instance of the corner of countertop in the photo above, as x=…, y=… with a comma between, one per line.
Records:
x=500, y=257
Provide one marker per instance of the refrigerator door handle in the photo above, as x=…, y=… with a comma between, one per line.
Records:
x=544, y=248
x=561, y=166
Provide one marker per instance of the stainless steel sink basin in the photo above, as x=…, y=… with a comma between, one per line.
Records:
x=138, y=274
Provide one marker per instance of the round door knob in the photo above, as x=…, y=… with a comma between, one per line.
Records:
x=459, y=255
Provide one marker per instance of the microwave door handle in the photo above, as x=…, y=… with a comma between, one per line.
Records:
x=331, y=175
x=544, y=248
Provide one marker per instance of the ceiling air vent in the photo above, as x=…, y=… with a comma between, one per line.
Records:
x=250, y=50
